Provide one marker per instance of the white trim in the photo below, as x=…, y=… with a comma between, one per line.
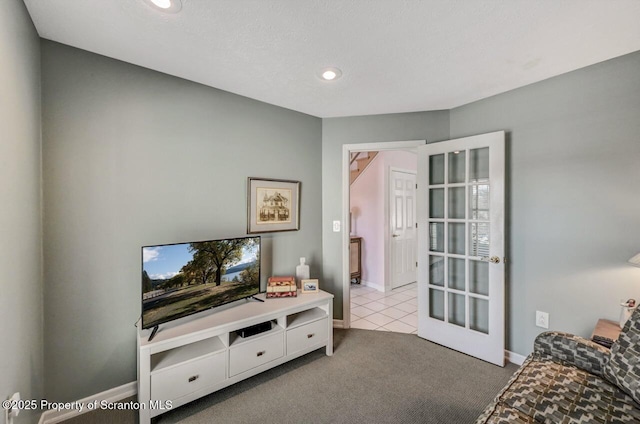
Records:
x=346, y=155
x=338, y=323
x=111, y=395
x=378, y=287
x=514, y=358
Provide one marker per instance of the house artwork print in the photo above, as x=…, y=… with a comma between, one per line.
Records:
x=274, y=206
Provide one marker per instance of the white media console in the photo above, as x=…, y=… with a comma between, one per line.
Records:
x=198, y=355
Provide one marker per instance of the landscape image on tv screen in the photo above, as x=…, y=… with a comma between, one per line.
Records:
x=186, y=278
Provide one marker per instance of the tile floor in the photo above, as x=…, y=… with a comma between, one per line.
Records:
x=396, y=310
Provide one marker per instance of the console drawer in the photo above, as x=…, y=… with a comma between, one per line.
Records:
x=180, y=380
x=307, y=335
x=251, y=354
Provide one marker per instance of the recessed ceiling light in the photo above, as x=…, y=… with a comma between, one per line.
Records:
x=163, y=4
x=330, y=74
x=169, y=6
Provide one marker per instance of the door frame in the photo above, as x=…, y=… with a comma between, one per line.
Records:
x=347, y=149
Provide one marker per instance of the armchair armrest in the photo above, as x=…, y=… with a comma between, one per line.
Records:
x=573, y=350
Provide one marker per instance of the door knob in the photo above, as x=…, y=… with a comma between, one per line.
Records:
x=493, y=259
x=396, y=235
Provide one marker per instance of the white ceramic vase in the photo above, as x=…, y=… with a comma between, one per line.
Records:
x=302, y=272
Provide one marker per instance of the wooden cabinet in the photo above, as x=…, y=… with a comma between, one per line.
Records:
x=606, y=332
x=197, y=355
x=355, y=259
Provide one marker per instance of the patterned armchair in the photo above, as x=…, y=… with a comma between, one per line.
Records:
x=568, y=379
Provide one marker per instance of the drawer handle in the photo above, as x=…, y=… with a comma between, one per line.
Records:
x=310, y=335
x=193, y=378
x=262, y=352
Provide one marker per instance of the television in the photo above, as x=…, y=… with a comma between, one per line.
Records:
x=186, y=278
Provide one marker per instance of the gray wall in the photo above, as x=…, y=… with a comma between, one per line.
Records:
x=430, y=126
x=573, y=197
x=133, y=157
x=20, y=212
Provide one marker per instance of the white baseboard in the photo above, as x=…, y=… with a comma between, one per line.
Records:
x=111, y=395
x=379, y=287
x=338, y=323
x=514, y=358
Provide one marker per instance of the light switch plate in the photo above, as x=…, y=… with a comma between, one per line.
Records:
x=336, y=226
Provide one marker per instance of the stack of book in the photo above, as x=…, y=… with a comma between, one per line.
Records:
x=282, y=287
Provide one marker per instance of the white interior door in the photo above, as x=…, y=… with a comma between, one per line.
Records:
x=461, y=245
x=403, y=243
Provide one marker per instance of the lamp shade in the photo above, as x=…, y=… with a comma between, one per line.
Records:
x=635, y=261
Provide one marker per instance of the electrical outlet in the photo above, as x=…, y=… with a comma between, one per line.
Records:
x=542, y=319
x=336, y=226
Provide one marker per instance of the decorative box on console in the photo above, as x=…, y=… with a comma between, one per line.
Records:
x=282, y=287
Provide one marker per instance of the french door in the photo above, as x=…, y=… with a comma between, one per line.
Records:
x=461, y=245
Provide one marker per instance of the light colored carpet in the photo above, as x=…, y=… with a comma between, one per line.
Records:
x=373, y=377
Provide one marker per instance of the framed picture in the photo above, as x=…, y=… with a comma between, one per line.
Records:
x=309, y=286
x=272, y=205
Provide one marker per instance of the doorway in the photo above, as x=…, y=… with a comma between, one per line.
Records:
x=371, y=298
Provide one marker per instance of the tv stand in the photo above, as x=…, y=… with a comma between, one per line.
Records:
x=198, y=355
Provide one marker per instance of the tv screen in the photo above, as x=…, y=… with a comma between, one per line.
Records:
x=186, y=278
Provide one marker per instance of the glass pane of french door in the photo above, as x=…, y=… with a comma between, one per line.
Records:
x=459, y=238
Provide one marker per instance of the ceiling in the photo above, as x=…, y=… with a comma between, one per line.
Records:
x=395, y=55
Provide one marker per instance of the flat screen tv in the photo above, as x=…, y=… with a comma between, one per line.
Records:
x=186, y=278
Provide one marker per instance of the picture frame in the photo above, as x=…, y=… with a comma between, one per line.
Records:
x=272, y=205
x=310, y=286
